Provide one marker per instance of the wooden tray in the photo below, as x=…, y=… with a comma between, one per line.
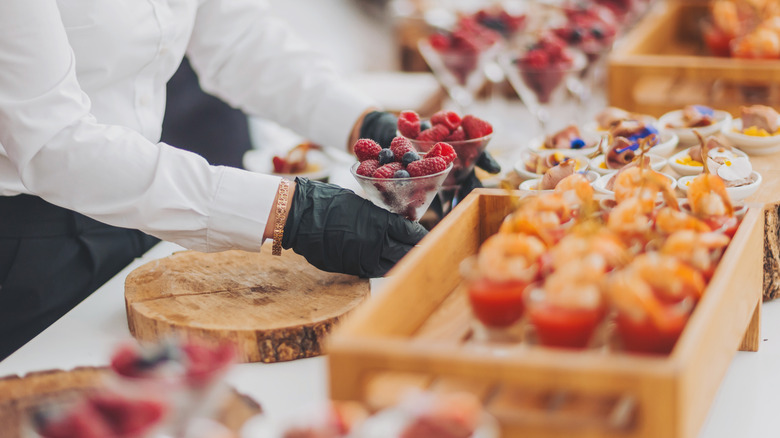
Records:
x=662, y=65
x=412, y=335
x=19, y=394
x=271, y=308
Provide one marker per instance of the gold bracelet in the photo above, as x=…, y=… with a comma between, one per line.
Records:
x=281, y=208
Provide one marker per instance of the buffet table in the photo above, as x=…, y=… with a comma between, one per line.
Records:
x=86, y=336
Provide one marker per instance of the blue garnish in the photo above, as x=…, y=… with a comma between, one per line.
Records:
x=577, y=143
x=707, y=111
x=632, y=147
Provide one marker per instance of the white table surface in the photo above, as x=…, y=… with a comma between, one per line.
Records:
x=746, y=404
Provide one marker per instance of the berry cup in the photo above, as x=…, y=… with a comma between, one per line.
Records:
x=409, y=197
x=467, y=150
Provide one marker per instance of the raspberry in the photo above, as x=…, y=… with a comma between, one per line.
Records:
x=367, y=149
x=386, y=156
x=388, y=170
x=367, y=168
x=400, y=146
x=444, y=151
x=439, y=41
x=426, y=166
x=456, y=135
x=476, y=127
x=437, y=133
x=450, y=119
x=409, y=124
x=536, y=59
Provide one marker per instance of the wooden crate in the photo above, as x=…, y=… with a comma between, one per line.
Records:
x=414, y=335
x=662, y=65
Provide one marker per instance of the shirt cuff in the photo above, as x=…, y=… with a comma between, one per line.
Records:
x=240, y=210
x=337, y=113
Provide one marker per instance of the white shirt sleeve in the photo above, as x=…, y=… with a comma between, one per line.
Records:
x=252, y=59
x=108, y=172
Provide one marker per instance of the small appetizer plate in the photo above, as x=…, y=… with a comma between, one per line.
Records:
x=678, y=163
x=536, y=145
x=686, y=135
x=582, y=163
x=666, y=144
x=319, y=165
x=600, y=185
x=735, y=193
x=530, y=185
x=657, y=163
x=752, y=144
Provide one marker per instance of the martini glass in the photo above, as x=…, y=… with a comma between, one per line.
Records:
x=545, y=90
x=409, y=197
x=467, y=151
x=461, y=73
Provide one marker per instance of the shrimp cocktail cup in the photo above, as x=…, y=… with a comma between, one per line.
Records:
x=496, y=280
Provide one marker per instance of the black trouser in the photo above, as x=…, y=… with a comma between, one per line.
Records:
x=51, y=259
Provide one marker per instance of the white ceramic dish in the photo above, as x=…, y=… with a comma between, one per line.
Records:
x=530, y=185
x=657, y=163
x=735, y=193
x=751, y=144
x=536, y=145
x=686, y=170
x=666, y=145
x=259, y=161
x=686, y=135
x=600, y=184
x=582, y=164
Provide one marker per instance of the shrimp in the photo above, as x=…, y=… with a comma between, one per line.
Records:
x=603, y=244
x=575, y=191
x=540, y=216
x=577, y=284
x=669, y=278
x=629, y=218
x=708, y=197
x=505, y=257
x=630, y=295
x=644, y=185
x=699, y=250
x=669, y=220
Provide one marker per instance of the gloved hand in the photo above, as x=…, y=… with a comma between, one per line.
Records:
x=381, y=127
x=338, y=231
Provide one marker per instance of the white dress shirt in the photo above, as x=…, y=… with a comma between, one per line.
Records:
x=82, y=96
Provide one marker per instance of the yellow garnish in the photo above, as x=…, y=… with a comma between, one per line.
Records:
x=688, y=161
x=687, y=183
x=727, y=163
x=603, y=165
x=558, y=157
x=754, y=131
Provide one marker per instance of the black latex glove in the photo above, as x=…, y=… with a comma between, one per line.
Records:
x=338, y=231
x=379, y=126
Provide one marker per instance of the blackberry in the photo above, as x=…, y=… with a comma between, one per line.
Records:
x=386, y=156
x=410, y=157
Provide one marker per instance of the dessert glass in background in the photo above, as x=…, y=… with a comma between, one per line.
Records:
x=543, y=75
x=186, y=375
x=458, y=58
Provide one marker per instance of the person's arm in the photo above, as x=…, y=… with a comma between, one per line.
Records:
x=108, y=172
x=254, y=61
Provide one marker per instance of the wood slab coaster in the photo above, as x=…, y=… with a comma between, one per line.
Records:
x=272, y=308
x=20, y=394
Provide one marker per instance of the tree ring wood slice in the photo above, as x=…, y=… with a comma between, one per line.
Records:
x=272, y=308
x=19, y=395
